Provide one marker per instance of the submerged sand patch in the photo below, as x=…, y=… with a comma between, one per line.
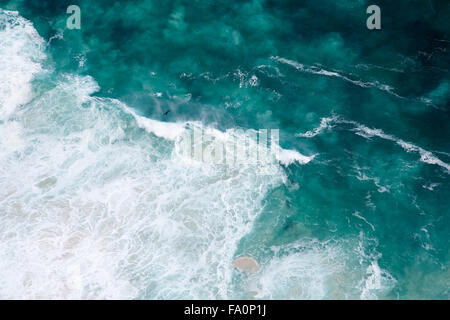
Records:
x=246, y=264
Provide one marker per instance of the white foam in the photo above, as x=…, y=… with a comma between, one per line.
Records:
x=305, y=274
x=425, y=156
x=325, y=124
x=310, y=269
x=175, y=131
x=166, y=130
x=356, y=214
x=328, y=123
x=94, y=207
x=20, y=57
x=376, y=280
x=287, y=157
x=319, y=71
x=11, y=133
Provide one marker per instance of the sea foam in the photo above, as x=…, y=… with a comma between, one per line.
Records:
x=20, y=57
x=328, y=123
x=96, y=202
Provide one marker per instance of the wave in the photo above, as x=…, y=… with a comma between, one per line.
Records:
x=97, y=202
x=325, y=124
x=311, y=269
x=329, y=123
x=20, y=58
x=176, y=131
x=425, y=156
x=319, y=71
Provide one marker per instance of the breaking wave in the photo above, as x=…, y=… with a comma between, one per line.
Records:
x=97, y=202
x=329, y=123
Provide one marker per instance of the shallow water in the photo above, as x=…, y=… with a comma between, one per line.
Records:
x=98, y=201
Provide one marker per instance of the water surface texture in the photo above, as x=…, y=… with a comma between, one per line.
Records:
x=98, y=202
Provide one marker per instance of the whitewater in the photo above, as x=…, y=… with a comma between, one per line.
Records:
x=96, y=202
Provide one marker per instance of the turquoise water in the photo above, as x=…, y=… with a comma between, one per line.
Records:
x=97, y=202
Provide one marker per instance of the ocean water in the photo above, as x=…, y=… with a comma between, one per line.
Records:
x=98, y=202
